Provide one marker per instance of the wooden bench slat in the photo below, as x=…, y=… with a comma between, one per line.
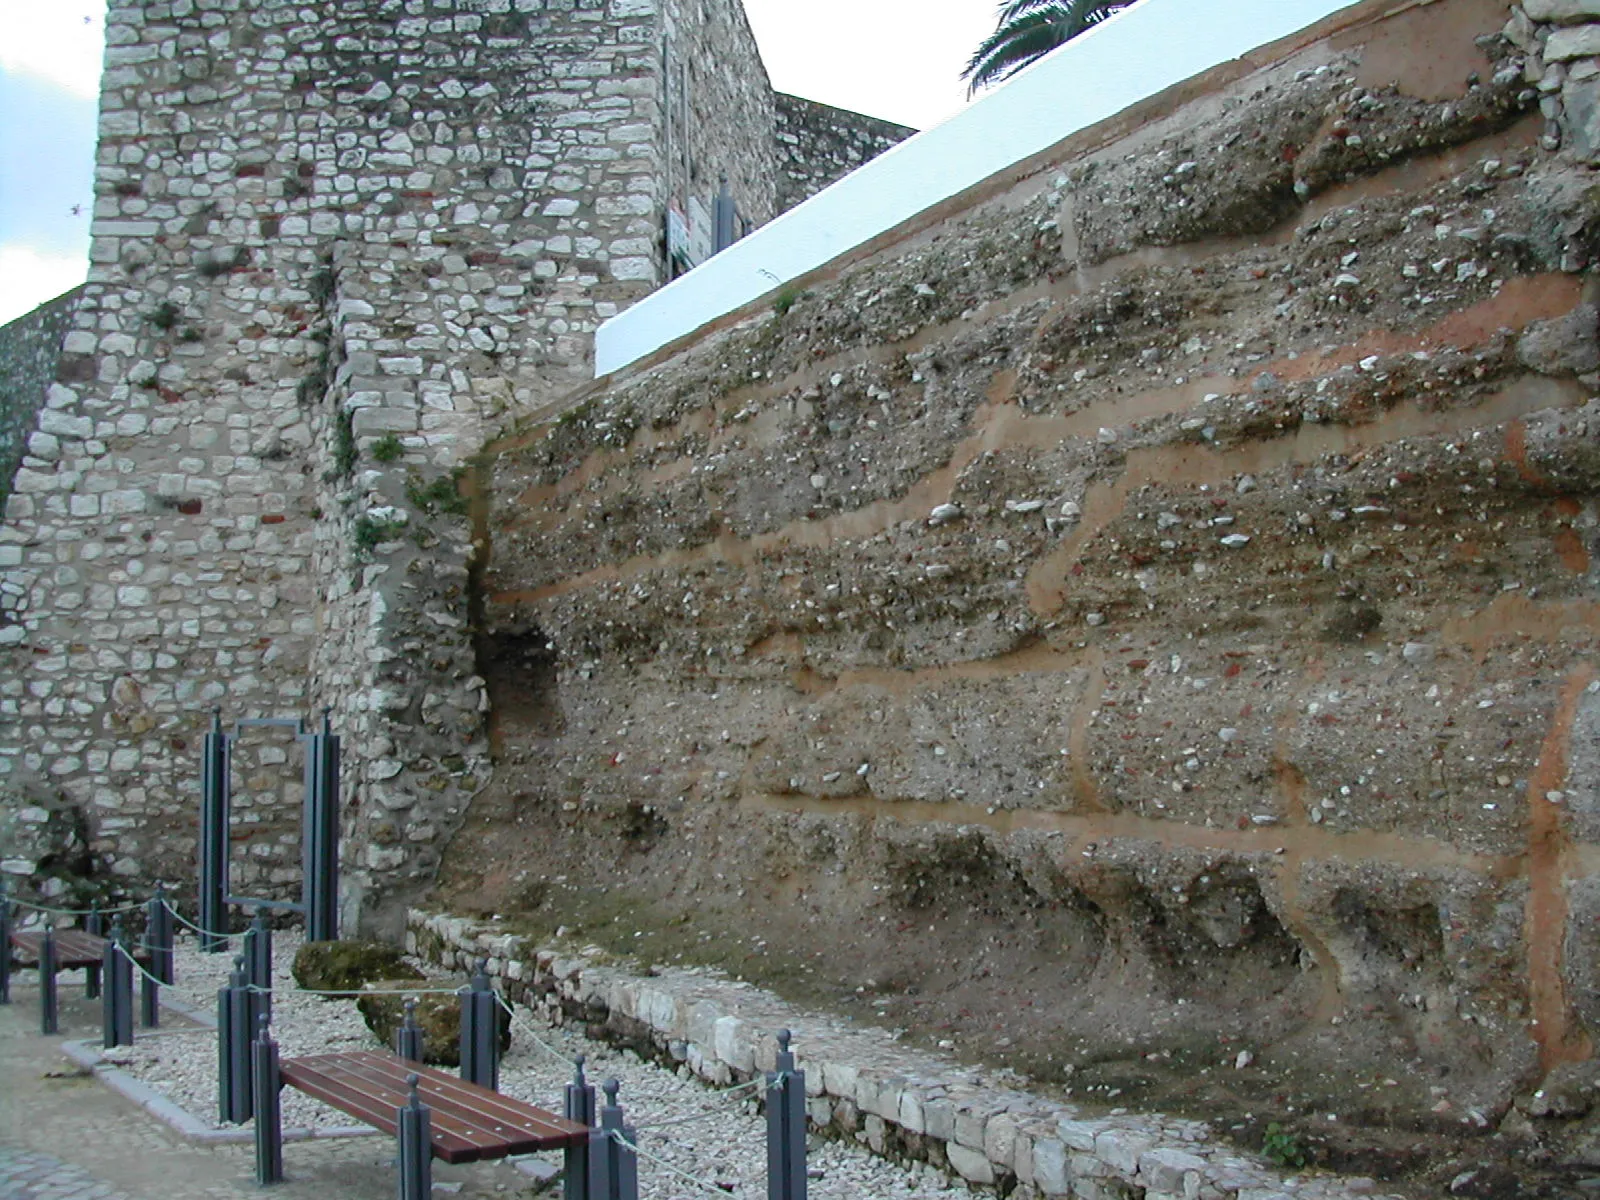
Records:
x=74, y=947
x=349, y=1087
x=379, y=1112
x=466, y=1109
x=454, y=1140
x=468, y=1123
x=469, y=1096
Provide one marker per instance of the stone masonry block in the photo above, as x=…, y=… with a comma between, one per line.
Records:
x=1051, y=1173
x=971, y=1165
x=1169, y=1170
x=377, y=421
x=1562, y=12
x=1579, y=41
x=1121, y=1148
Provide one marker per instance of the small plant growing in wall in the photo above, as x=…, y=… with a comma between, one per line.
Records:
x=370, y=530
x=344, y=447
x=165, y=315
x=785, y=300
x=1280, y=1146
x=441, y=495
x=388, y=449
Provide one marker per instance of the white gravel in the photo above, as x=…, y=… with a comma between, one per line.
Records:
x=722, y=1149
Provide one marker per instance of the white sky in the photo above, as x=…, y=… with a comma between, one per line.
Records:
x=896, y=59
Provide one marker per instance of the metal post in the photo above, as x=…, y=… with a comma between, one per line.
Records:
x=159, y=955
x=149, y=1002
x=5, y=945
x=48, y=1022
x=94, y=923
x=320, y=858
x=723, y=212
x=579, y=1107
x=408, y=1039
x=258, y=960
x=116, y=1008
x=480, y=1032
x=786, y=1127
x=158, y=936
x=613, y=1160
x=234, y=1022
x=414, y=1132
x=214, y=785
x=269, y=1119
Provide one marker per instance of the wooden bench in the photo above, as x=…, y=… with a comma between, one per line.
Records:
x=73, y=948
x=468, y=1123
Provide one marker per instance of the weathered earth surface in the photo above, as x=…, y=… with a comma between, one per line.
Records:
x=1139, y=629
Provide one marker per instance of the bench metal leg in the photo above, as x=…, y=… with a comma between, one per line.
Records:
x=414, y=1132
x=49, y=1024
x=269, y=1119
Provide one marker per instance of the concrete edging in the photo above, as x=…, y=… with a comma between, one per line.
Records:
x=85, y=1053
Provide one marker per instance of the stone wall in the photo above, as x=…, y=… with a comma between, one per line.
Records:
x=898, y=1100
x=1169, y=573
x=719, y=108
x=335, y=246
x=29, y=349
x=819, y=144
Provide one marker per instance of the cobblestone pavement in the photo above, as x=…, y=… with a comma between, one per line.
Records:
x=66, y=1136
x=29, y=1175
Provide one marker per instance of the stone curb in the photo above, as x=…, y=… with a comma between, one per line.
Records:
x=979, y=1125
x=85, y=1053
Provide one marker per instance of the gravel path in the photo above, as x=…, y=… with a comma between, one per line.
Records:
x=717, y=1142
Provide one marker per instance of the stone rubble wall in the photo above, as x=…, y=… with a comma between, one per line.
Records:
x=335, y=247
x=717, y=98
x=979, y=1125
x=1561, y=39
x=819, y=144
x=30, y=347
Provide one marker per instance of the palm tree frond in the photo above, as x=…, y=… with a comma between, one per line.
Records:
x=1027, y=29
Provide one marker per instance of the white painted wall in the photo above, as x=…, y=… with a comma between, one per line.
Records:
x=1137, y=53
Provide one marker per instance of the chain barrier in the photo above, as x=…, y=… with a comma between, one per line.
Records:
x=183, y=920
x=667, y=1166
x=74, y=912
x=138, y=966
x=286, y=991
x=709, y=1111
x=522, y=1023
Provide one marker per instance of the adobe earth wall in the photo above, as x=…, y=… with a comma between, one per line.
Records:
x=1150, y=603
